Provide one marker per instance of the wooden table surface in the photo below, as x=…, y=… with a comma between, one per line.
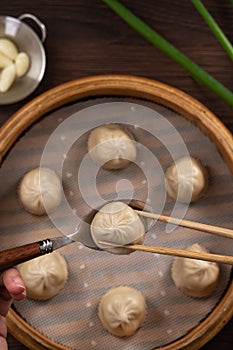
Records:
x=85, y=38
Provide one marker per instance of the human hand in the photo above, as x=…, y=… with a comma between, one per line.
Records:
x=11, y=288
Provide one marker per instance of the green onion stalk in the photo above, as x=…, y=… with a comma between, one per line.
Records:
x=162, y=44
x=223, y=40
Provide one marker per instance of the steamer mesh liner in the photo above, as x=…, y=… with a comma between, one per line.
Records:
x=70, y=318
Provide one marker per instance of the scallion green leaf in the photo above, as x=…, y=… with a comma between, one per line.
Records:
x=162, y=44
x=223, y=40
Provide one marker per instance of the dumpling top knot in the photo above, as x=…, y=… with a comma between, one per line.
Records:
x=186, y=180
x=40, y=191
x=44, y=276
x=196, y=278
x=119, y=224
x=122, y=310
x=111, y=146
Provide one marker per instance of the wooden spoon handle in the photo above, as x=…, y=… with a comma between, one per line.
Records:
x=17, y=255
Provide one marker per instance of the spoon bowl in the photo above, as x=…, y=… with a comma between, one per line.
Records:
x=83, y=233
x=18, y=255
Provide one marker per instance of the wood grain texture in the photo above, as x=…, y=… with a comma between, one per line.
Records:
x=215, y=230
x=176, y=252
x=11, y=257
x=86, y=38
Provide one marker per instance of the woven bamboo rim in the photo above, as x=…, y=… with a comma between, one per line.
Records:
x=138, y=87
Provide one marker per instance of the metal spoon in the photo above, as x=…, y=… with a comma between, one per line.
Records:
x=20, y=254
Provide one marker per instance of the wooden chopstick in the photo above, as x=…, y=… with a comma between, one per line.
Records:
x=215, y=230
x=225, y=259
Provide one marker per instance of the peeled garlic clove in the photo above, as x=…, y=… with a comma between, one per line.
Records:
x=4, y=61
x=22, y=62
x=8, y=49
x=7, y=77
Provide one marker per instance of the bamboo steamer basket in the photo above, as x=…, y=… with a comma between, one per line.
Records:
x=149, y=90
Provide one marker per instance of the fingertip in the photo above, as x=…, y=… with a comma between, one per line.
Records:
x=18, y=282
x=19, y=296
x=13, y=282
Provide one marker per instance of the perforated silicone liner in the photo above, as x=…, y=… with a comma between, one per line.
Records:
x=71, y=318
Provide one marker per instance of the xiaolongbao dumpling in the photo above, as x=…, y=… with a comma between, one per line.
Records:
x=195, y=278
x=40, y=191
x=111, y=146
x=44, y=276
x=186, y=180
x=119, y=224
x=122, y=311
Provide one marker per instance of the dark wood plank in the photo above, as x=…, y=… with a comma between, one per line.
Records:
x=86, y=38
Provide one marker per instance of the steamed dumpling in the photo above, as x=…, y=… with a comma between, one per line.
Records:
x=119, y=224
x=186, y=180
x=44, y=276
x=40, y=191
x=122, y=311
x=195, y=278
x=111, y=146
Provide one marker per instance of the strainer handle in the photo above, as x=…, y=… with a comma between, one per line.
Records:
x=17, y=255
x=38, y=22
